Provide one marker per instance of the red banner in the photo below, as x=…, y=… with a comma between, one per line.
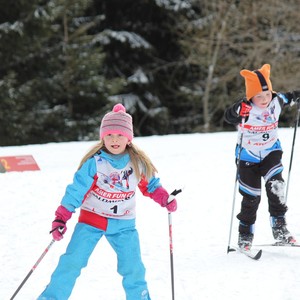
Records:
x=19, y=163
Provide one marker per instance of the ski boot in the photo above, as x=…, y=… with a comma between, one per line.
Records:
x=245, y=241
x=245, y=236
x=280, y=232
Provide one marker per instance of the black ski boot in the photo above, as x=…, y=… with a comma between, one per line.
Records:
x=245, y=236
x=280, y=232
x=245, y=241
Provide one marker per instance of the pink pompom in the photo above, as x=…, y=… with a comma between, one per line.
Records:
x=119, y=107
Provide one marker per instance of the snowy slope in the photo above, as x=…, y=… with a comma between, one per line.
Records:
x=201, y=163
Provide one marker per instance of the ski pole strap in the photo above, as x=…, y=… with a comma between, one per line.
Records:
x=173, y=194
x=60, y=228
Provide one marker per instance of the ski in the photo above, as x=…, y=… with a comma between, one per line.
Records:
x=252, y=253
x=278, y=244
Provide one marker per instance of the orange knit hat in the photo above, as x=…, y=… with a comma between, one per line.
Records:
x=257, y=81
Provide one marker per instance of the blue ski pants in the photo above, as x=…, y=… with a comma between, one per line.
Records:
x=123, y=237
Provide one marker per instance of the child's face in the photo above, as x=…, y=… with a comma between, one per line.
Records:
x=263, y=99
x=115, y=143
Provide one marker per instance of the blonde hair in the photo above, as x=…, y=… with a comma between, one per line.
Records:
x=142, y=165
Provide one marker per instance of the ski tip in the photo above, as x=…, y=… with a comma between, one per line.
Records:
x=252, y=253
x=258, y=255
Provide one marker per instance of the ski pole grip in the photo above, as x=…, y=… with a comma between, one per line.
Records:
x=173, y=194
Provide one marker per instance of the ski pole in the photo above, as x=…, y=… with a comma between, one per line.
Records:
x=229, y=249
x=32, y=269
x=292, y=151
x=171, y=198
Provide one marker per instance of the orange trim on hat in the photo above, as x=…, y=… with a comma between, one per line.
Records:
x=257, y=81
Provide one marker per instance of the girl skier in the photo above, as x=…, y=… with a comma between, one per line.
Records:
x=104, y=187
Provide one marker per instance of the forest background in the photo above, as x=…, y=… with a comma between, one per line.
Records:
x=173, y=64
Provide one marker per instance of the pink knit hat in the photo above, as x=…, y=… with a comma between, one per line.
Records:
x=117, y=122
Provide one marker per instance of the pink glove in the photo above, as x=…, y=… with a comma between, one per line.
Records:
x=62, y=215
x=161, y=196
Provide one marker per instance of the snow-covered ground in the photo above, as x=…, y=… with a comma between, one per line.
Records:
x=201, y=163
